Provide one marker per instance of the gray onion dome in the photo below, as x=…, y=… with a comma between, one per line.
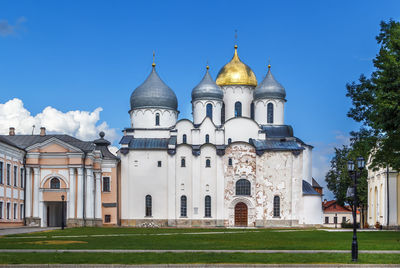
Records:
x=207, y=89
x=153, y=93
x=269, y=88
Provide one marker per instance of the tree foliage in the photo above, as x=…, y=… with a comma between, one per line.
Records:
x=376, y=100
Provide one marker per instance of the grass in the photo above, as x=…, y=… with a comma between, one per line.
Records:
x=160, y=258
x=132, y=238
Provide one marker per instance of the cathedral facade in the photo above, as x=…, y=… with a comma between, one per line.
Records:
x=235, y=164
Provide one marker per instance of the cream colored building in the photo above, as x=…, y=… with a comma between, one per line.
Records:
x=50, y=167
x=12, y=184
x=384, y=197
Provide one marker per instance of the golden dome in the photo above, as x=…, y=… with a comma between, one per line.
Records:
x=236, y=72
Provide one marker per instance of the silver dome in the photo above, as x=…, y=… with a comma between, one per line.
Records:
x=269, y=88
x=207, y=89
x=153, y=93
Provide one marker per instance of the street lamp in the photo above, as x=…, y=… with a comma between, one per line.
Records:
x=62, y=212
x=355, y=175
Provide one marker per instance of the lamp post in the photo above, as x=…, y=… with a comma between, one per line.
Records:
x=62, y=212
x=355, y=175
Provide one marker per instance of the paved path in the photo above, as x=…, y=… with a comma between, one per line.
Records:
x=191, y=251
x=200, y=265
x=24, y=230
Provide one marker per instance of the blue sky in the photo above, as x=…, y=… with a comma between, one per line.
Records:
x=80, y=55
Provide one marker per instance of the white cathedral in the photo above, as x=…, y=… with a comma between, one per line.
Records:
x=236, y=164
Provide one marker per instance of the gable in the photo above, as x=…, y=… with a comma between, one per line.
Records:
x=53, y=148
x=53, y=145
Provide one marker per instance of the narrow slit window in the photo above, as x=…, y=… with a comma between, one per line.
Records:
x=157, y=119
x=270, y=113
x=277, y=206
x=209, y=110
x=183, y=206
x=238, y=109
x=148, y=203
x=207, y=206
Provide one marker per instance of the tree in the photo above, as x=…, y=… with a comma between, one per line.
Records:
x=376, y=100
x=338, y=178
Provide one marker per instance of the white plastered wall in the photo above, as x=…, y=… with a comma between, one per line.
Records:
x=260, y=111
x=232, y=94
x=200, y=111
x=146, y=118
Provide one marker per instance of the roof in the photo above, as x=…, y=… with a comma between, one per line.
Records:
x=277, y=131
x=6, y=141
x=25, y=141
x=333, y=206
x=153, y=93
x=102, y=145
x=236, y=72
x=315, y=184
x=276, y=145
x=269, y=88
x=308, y=189
x=147, y=143
x=207, y=89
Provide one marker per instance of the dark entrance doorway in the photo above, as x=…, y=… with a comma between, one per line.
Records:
x=241, y=214
x=54, y=213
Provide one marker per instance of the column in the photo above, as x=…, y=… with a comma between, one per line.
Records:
x=89, y=194
x=79, y=199
x=171, y=186
x=97, y=201
x=71, y=199
x=36, y=186
x=40, y=202
x=219, y=193
x=28, y=193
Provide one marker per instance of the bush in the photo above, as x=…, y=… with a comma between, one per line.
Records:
x=378, y=225
x=349, y=225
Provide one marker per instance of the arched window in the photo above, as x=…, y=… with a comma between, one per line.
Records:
x=209, y=110
x=277, y=206
x=238, y=109
x=148, y=205
x=243, y=187
x=55, y=183
x=223, y=113
x=183, y=162
x=183, y=206
x=157, y=119
x=207, y=138
x=207, y=206
x=229, y=141
x=208, y=163
x=270, y=113
x=252, y=111
x=184, y=138
x=230, y=162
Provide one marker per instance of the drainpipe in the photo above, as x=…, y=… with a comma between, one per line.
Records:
x=24, y=165
x=84, y=189
x=387, y=193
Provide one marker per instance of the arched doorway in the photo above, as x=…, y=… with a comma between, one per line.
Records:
x=241, y=214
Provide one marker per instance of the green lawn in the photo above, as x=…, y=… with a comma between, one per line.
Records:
x=132, y=238
x=160, y=258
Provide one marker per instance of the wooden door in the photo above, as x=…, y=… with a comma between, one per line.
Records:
x=241, y=214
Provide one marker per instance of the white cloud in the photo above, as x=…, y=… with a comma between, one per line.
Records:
x=322, y=155
x=8, y=29
x=83, y=125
